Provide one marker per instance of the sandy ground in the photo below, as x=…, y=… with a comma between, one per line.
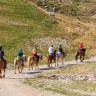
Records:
x=12, y=84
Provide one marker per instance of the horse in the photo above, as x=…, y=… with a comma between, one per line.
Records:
x=51, y=57
x=81, y=54
x=18, y=64
x=2, y=67
x=34, y=60
x=59, y=56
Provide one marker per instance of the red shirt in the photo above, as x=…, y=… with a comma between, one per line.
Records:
x=34, y=51
x=81, y=46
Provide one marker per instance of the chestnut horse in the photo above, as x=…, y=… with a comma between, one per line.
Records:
x=2, y=67
x=34, y=60
x=81, y=54
x=51, y=57
x=18, y=64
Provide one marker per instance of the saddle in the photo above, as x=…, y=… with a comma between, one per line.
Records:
x=35, y=55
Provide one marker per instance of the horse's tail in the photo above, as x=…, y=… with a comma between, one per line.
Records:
x=28, y=61
x=76, y=56
x=15, y=62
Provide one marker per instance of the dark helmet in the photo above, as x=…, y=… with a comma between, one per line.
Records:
x=51, y=45
x=0, y=47
x=60, y=44
x=34, y=46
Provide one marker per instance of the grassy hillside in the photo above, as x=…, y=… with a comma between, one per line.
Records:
x=20, y=23
x=24, y=25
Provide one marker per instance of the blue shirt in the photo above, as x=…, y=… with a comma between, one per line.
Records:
x=20, y=53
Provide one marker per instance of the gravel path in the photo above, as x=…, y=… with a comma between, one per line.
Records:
x=12, y=84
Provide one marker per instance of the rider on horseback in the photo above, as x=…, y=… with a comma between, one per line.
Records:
x=81, y=48
x=20, y=56
x=34, y=52
x=60, y=49
x=1, y=56
x=51, y=50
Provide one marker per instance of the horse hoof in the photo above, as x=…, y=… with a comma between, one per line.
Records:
x=3, y=76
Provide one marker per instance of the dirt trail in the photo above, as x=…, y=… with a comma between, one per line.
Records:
x=12, y=84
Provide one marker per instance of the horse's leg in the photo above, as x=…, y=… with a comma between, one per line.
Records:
x=37, y=65
x=32, y=65
x=21, y=68
x=48, y=63
x=29, y=66
x=57, y=60
x=76, y=58
x=15, y=69
x=81, y=58
x=51, y=63
x=18, y=68
x=0, y=74
x=62, y=60
x=4, y=73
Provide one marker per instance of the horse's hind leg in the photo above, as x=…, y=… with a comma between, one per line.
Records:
x=76, y=57
x=15, y=69
x=18, y=69
x=4, y=73
x=0, y=74
x=37, y=66
x=21, y=68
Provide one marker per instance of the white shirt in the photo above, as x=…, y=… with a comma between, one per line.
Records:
x=51, y=50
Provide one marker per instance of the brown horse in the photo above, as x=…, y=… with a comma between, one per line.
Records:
x=34, y=60
x=18, y=63
x=81, y=54
x=2, y=67
x=51, y=57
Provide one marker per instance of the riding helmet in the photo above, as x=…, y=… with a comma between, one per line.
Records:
x=20, y=49
x=60, y=44
x=34, y=46
x=0, y=47
x=51, y=45
x=81, y=42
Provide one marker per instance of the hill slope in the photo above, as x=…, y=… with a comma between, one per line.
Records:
x=24, y=25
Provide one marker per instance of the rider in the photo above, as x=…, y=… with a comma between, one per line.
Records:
x=51, y=50
x=20, y=56
x=81, y=47
x=34, y=52
x=60, y=49
x=1, y=56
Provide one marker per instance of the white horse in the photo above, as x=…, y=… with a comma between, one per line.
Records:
x=59, y=56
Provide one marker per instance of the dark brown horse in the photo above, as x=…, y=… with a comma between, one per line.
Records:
x=2, y=68
x=81, y=54
x=51, y=57
x=34, y=60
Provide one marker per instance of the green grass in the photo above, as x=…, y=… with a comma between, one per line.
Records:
x=20, y=24
x=88, y=68
x=66, y=87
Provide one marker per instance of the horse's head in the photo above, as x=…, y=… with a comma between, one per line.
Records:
x=40, y=56
x=54, y=52
x=24, y=56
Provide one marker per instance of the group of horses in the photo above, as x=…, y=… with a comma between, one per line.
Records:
x=34, y=60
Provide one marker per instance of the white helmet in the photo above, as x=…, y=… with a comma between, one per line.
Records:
x=81, y=42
